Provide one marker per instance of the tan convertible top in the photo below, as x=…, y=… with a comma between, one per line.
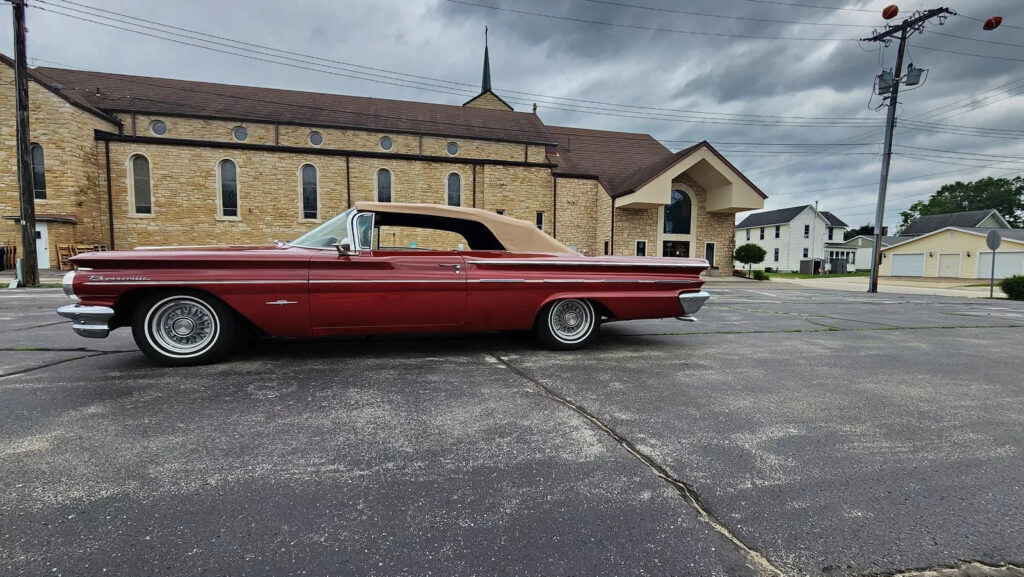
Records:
x=514, y=234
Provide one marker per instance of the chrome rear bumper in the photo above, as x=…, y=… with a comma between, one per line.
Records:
x=91, y=322
x=691, y=303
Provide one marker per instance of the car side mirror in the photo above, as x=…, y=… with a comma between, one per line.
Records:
x=344, y=248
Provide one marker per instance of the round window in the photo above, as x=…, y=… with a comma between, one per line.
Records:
x=158, y=127
x=452, y=148
x=385, y=143
x=315, y=138
x=240, y=133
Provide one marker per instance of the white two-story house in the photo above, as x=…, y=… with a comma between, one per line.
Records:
x=790, y=235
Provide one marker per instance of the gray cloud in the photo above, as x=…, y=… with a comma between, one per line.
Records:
x=441, y=39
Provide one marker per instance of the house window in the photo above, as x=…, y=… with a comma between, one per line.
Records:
x=606, y=248
x=500, y=211
x=240, y=133
x=778, y=231
x=454, y=189
x=383, y=185
x=830, y=233
x=452, y=148
x=386, y=143
x=158, y=127
x=748, y=234
x=678, y=213
x=310, y=192
x=540, y=220
x=641, y=248
x=38, y=172
x=807, y=231
x=805, y=253
x=762, y=233
x=853, y=257
x=316, y=138
x=228, y=182
x=141, y=195
x=775, y=256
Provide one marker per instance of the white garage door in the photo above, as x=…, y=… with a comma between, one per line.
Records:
x=1007, y=264
x=908, y=264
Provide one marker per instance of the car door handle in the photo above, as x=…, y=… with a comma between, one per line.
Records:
x=457, y=267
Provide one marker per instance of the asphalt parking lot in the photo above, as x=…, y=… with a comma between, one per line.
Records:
x=790, y=432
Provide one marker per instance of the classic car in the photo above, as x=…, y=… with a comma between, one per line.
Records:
x=484, y=272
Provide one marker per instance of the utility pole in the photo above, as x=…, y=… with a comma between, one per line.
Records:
x=30, y=265
x=905, y=29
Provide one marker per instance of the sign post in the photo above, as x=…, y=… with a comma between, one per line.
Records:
x=993, y=240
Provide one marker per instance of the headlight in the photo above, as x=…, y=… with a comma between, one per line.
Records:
x=68, y=284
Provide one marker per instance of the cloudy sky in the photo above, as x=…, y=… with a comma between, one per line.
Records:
x=781, y=87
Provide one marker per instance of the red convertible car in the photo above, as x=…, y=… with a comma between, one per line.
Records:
x=185, y=305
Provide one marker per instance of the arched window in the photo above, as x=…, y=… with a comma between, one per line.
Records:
x=678, y=213
x=38, y=172
x=228, y=183
x=454, y=189
x=310, y=192
x=141, y=194
x=383, y=185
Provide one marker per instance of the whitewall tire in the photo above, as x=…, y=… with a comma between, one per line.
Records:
x=567, y=324
x=183, y=328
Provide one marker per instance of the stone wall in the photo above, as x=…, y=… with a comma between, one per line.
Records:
x=72, y=159
x=488, y=100
x=333, y=138
x=577, y=214
x=633, y=224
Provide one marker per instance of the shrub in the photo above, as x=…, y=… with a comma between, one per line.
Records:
x=761, y=275
x=1013, y=286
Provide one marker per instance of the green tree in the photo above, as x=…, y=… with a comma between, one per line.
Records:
x=1002, y=194
x=866, y=230
x=750, y=254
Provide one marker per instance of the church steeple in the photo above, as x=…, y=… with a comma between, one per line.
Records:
x=485, y=83
x=487, y=98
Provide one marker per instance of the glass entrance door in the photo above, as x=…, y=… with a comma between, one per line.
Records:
x=676, y=248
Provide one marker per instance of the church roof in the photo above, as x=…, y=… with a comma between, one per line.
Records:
x=126, y=93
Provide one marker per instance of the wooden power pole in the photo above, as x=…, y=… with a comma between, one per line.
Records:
x=30, y=265
x=904, y=30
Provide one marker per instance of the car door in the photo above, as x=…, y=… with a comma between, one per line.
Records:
x=386, y=291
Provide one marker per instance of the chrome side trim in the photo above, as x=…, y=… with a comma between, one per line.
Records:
x=380, y=281
x=88, y=321
x=503, y=280
x=692, y=302
x=555, y=262
x=282, y=302
x=197, y=282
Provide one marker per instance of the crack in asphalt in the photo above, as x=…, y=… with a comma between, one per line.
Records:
x=826, y=329
x=958, y=569
x=755, y=559
x=60, y=362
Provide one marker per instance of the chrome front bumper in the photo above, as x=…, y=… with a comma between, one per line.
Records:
x=91, y=322
x=691, y=303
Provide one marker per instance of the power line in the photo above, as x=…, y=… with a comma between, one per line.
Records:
x=777, y=3
x=703, y=14
x=954, y=52
x=648, y=28
x=289, y=55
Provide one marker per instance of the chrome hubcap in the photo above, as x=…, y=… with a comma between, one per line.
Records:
x=182, y=326
x=571, y=320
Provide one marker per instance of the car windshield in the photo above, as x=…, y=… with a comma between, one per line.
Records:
x=327, y=234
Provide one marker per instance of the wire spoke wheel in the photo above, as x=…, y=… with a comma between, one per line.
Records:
x=182, y=326
x=570, y=322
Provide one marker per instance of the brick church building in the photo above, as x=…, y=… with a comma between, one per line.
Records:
x=126, y=161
